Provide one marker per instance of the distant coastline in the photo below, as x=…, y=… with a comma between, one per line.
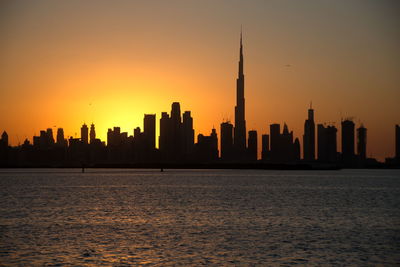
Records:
x=233, y=166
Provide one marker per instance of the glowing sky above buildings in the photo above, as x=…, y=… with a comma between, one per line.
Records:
x=63, y=63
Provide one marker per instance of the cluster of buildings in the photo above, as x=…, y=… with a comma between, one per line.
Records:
x=176, y=142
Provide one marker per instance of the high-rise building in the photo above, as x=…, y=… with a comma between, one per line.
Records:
x=207, y=147
x=176, y=131
x=362, y=142
x=397, y=141
x=188, y=133
x=92, y=133
x=84, y=134
x=296, y=149
x=136, y=132
x=252, y=146
x=110, y=137
x=348, y=140
x=60, y=137
x=165, y=133
x=240, y=121
x=114, y=137
x=283, y=149
x=309, y=137
x=286, y=149
x=176, y=139
x=275, y=132
x=50, y=138
x=149, y=130
x=327, y=147
x=226, y=141
x=176, y=113
x=44, y=140
x=4, y=139
x=265, y=147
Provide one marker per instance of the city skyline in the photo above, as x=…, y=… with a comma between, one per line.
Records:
x=70, y=75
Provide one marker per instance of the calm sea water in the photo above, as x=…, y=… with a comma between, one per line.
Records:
x=199, y=217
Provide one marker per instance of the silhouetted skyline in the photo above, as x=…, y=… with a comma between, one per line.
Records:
x=115, y=62
x=177, y=143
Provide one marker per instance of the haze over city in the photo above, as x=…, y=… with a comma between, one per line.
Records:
x=66, y=63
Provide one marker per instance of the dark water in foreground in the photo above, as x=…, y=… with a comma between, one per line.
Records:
x=199, y=217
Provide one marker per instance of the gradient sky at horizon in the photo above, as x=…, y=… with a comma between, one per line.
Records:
x=63, y=63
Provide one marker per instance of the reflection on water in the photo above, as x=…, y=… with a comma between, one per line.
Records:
x=199, y=217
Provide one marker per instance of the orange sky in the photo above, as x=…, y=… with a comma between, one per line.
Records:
x=63, y=63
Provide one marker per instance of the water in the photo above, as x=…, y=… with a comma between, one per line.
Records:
x=199, y=217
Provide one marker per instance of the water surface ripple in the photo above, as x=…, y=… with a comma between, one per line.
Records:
x=57, y=217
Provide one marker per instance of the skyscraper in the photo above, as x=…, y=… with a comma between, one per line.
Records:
x=176, y=139
x=176, y=130
x=397, y=133
x=362, y=142
x=149, y=129
x=240, y=122
x=188, y=133
x=265, y=147
x=252, y=146
x=50, y=137
x=309, y=137
x=296, y=149
x=348, y=140
x=226, y=141
x=327, y=148
x=206, y=149
x=92, y=133
x=165, y=133
x=84, y=134
x=275, y=133
x=4, y=139
x=60, y=137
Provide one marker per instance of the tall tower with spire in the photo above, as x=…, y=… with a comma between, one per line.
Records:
x=309, y=136
x=240, y=122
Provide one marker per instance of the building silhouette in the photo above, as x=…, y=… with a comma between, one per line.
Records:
x=176, y=131
x=252, y=146
x=348, y=141
x=207, y=147
x=397, y=142
x=240, y=121
x=4, y=148
x=60, y=138
x=265, y=151
x=4, y=139
x=283, y=148
x=84, y=134
x=176, y=140
x=188, y=134
x=163, y=139
x=275, y=133
x=149, y=131
x=227, y=151
x=92, y=134
x=45, y=140
x=362, y=143
x=309, y=137
x=50, y=137
x=327, y=145
x=296, y=149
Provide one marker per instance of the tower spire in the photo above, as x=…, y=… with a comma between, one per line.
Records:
x=241, y=53
x=241, y=31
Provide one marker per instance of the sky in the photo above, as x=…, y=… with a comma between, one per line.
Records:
x=65, y=63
